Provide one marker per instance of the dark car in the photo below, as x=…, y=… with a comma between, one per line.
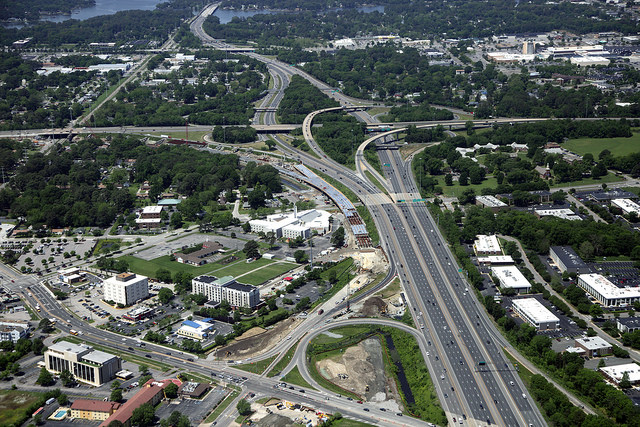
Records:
x=147, y=355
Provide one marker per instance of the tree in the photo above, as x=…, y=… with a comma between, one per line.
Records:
x=448, y=180
x=176, y=419
x=63, y=399
x=270, y=237
x=243, y=407
x=271, y=144
x=468, y=196
x=45, y=378
x=143, y=415
x=624, y=382
x=116, y=395
x=37, y=346
x=165, y=295
x=595, y=311
x=163, y=275
x=251, y=249
x=558, y=197
x=46, y=326
x=176, y=220
x=337, y=238
x=144, y=369
x=300, y=256
x=115, y=423
x=67, y=378
x=171, y=391
x=115, y=384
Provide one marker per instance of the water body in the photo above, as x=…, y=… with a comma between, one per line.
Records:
x=105, y=7
x=226, y=15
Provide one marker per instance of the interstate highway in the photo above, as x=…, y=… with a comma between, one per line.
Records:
x=455, y=316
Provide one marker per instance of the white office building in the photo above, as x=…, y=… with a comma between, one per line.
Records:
x=195, y=329
x=615, y=373
x=608, y=294
x=567, y=214
x=627, y=206
x=294, y=224
x=534, y=313
x=491, y=202
x=487, y=245
x=511, y=278
x=126, y=288
x=226, y=289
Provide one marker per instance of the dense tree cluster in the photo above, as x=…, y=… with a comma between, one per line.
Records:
x=340, y=137
x=301, y=98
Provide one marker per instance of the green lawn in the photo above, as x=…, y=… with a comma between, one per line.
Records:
x=221, y=407
x=294, y=377
x=282, y=363
x=236, y=268
x=617, y=146
x=257, y=367
x=193, y=135
x=13, y=403
x=456, y=189
x=589, y=181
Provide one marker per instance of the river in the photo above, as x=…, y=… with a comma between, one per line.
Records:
x=226, y=15
x=105, y=7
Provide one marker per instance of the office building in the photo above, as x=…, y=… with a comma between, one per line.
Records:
x=126, y=288
x=150, y=217
x=487, y=245
x=226, y=289
x=564, y=213
x=93, y=410
x=528, y=48
x=87, y=365
x=568, y=260
x=495, y=260
x=627, y=206
x=294, y=224
x=491, y=202
x=201, y=256
x=616, y=373
x=534, y=313
x=594, y=346
x=511, y=278
x=608, y=294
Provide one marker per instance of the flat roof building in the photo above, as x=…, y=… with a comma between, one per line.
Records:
x=511, y=278
x=293, y=224
x=94, y=410
x=195, y=329
x=126, y=288
x=87, y=365
x=594, y=346
x=495, y=260
x=606, y=292
x=627, y=206
x=201, y=256
x=615, y=373
x=226, y=289
x=568, y=260
x=487, y=245
x=567, y=214
x=490, y=202
x=193, y=390
x=536, y=314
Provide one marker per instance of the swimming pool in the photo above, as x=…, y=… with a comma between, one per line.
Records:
x=59, y=415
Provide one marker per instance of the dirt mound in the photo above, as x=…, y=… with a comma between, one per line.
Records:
x=256, y=341
x=373, y=306
x=360, y=369
x=275, y=420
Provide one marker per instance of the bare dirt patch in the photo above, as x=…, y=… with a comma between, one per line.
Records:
x=360, y=369
x=373, y=307
x=257, y=340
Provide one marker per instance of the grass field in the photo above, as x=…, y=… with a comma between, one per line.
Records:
x=282, y=363
x=237, y=268
x=193, y=135
x=617, y=146
x=456, y=189
x=590, y=181
x=294, y=377
x=257, y=367
x=221, y=407
x=13, y=403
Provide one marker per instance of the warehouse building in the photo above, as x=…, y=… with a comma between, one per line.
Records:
x=608, y=294
x=627, y=206
x=511, y=278
x=568, y=260
x=491, y=202
x=87, y=365
x=495, y=260
x=126, y=288
x=534, y=313
x=487, y=245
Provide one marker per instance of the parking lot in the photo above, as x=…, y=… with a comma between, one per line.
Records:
x=53, y=253
x=621, y=273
